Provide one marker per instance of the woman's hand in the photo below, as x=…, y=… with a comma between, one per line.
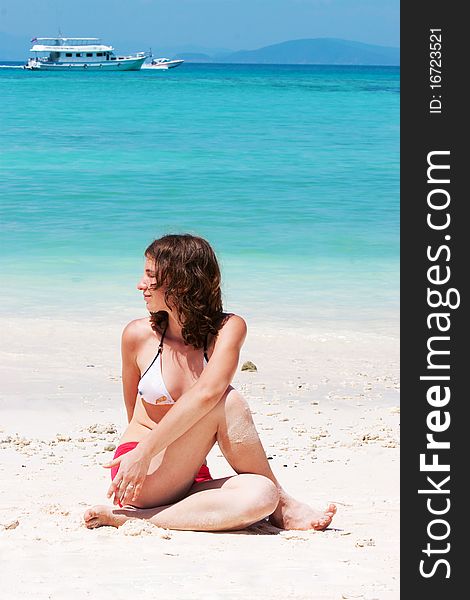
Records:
x=133, y=469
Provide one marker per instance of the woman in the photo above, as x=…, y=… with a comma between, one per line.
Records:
x=177, y=369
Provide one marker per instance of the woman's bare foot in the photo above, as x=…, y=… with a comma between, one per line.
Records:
x=100, y=515
x=292, y=514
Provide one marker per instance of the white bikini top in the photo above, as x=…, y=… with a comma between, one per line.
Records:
x=152, y=388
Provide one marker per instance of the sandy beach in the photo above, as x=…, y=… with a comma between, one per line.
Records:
x=326, y=405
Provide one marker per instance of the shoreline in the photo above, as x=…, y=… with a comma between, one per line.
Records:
x=383, y=321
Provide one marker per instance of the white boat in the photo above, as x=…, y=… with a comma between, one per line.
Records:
x=164, y=63
x=73, y=54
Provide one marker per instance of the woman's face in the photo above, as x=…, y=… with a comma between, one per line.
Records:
x=154, y=298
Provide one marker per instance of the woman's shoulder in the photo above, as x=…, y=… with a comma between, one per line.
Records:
x=137, y=331
x=232, y=318
x=232, y=327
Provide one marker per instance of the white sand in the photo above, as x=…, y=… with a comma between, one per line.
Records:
x=326, y=406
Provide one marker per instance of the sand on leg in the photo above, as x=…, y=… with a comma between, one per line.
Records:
x=240, y=444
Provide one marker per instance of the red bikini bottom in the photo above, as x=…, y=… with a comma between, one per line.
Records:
x=203, y=475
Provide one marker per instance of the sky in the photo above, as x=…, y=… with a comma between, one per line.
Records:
x=223, y=24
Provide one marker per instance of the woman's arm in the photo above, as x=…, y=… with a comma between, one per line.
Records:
x=192, y=406
x=205, y=393
x=130, y=370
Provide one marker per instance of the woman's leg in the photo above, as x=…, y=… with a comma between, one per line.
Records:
x=225, y=504
x=240, y=444
x=165, y=498
x=171, y=475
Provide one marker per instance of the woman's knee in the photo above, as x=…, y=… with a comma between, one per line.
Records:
x=233, y=402
x=235, y=422
x=259, y=494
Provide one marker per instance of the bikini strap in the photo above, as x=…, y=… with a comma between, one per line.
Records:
x=205, y=348
x=160, y=345
x=160, y=350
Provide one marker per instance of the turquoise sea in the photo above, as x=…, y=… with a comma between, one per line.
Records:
x=291, y=172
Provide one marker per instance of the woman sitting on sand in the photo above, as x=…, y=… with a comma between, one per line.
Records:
x=177, y=369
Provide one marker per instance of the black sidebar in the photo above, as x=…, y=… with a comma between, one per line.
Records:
x=435, y=252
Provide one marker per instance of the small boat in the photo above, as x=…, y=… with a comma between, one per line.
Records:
x=73, y=54
x=164, y=63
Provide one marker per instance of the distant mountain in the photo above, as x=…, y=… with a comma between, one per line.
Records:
x=318, y=51
x=309, y=51
x=192, y=49
x=194, y=57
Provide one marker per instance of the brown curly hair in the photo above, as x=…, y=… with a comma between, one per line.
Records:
x=187, y=266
